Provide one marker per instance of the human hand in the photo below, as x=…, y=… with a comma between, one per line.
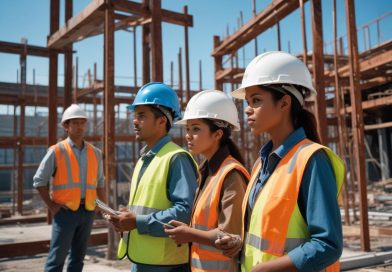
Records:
x=125, y=221
x=229, y=244
x=54, y=208
x=180, y=233
x=262, y=267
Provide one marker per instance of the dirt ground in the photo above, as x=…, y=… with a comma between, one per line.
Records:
x=95, y=261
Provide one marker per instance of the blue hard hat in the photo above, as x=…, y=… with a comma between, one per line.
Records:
x=157, y=93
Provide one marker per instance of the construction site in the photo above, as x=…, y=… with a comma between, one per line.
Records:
x=352, y=74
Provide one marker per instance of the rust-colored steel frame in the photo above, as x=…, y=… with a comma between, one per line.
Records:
x=99, y=17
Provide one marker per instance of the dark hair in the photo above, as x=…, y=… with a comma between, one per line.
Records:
x=225, y=140
x=299, y=116
x=158, y=113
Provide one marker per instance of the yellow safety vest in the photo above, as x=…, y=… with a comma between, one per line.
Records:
x=149, y=196
x=66, y=188
x=205, y=217
x=276, y=224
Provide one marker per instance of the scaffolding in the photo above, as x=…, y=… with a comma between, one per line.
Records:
x=352, y=106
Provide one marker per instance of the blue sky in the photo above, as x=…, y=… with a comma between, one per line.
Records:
x=30, y=19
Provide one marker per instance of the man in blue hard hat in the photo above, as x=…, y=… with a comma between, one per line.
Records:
x=163, y=186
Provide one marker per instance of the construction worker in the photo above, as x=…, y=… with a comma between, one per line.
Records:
x=210, y=117
x=73, y=170
x=163, y=186
x=291, y=214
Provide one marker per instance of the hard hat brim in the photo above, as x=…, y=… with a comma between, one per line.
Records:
x=240, y=92
x=74, y=117
x=182, y=122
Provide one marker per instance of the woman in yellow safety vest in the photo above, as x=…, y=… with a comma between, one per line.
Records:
x=290, y=210
x=210, y=116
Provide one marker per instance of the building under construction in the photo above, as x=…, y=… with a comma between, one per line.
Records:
x=353, y=78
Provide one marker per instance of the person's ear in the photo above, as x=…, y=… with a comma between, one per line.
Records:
x=285, y=104
x=65, y=126
x=162, y=121
x=218, y=134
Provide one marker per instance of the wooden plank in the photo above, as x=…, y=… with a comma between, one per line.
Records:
x=376, y=61
x=85, y=17
x=276, y=11
x=222, y=74
x=167, y=15
x=372, y=104
x=86, y=23
x=378, y=126
x=31, y=50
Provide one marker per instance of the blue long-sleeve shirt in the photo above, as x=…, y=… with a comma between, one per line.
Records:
x=48, y=167
x=317, y=203
x=181, y=188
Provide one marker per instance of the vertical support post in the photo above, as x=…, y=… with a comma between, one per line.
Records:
x=382, y=144
x=156, y=41
x=278, y=36
x=357, y=121
x=180, y=85
x=200, y=77
x=303, y=27
x=172, y=74
x=146, y=76
x=23, y=76
x=52, y=97
x=318, y=70
x=378, y=33
x=186, y=51
x=340, y=118
x=217, y=65
x=109, y=128
x=134, y=58
x=14, y=180
x=254, y=15
x=76, y=82
x=68, y=61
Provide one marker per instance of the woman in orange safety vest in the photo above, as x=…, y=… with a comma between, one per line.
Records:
x=290, y=210
x=210, y=116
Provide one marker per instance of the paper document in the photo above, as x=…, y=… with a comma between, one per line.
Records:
x=105, y=208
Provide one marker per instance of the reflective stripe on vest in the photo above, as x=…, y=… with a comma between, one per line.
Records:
x=66, y=186
x=205, y=217
x=148, y=196
x=210, y=265
x=276, y=225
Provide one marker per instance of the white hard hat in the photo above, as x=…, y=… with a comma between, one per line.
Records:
x=276, y=67
x=214, y=105
x=72, y=112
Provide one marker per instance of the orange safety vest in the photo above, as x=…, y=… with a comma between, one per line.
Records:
x=66, y=189
x=276, y=225
x=205, y=217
